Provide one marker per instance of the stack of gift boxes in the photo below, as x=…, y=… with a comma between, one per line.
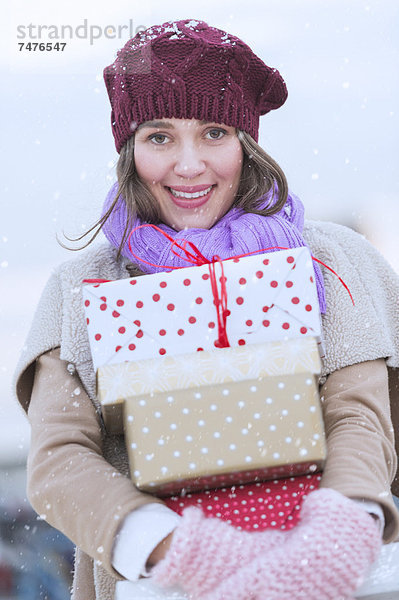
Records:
x=197, y=416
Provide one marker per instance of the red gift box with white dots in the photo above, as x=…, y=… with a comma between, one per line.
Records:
x=270, y=297
x=274, y=504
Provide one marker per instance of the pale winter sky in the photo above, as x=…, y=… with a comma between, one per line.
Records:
x=336, y=137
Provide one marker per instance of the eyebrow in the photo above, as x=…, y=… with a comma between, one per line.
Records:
x=164, y=124
x=160, y=124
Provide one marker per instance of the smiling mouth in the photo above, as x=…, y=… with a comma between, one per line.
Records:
x=190, y=199
x=190, y=195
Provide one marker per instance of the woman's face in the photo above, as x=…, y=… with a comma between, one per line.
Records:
x=192, y=169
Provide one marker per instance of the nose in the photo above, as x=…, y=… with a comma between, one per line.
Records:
x=189, y=161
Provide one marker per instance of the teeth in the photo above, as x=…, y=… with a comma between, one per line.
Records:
x=190, y=196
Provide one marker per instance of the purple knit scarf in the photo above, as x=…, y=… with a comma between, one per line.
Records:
x=237, y=232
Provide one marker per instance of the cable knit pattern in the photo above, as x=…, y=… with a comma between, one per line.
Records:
x=188, y=70
x=205, y=550
x=326, y=556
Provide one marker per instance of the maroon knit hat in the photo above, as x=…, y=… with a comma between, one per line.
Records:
x=188, y=70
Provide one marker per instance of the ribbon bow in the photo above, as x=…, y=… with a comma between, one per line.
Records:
x=193, y=255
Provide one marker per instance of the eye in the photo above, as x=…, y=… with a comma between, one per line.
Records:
x=216, y=134
x=159, y=139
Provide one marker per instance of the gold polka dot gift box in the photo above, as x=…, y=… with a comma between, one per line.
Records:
x=225, y=434
x=117, y=382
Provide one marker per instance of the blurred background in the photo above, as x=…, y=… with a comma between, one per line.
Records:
x=336, y=138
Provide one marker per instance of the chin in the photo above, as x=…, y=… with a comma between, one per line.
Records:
x=197, y=225
x=193, y=223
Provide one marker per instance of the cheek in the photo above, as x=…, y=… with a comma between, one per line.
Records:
x=149, y=170
x=230, y=165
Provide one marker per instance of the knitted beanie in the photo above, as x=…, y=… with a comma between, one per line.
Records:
x=189, y=70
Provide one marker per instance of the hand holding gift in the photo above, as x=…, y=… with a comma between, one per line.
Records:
x=204, y=551
x=325, y=556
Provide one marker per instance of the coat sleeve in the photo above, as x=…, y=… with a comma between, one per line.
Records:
x=70, y=484
x=361, y=458
x=368, y=328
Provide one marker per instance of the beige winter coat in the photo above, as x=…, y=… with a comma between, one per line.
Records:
x=78, y=475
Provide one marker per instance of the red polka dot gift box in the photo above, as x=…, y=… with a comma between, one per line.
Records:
x=274, y=504
x=234, y=302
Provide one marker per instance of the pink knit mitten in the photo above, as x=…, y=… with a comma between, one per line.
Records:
x=204, y=550
x=325, y=557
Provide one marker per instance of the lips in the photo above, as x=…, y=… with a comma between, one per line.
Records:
x=190, y=196
x=190, y=189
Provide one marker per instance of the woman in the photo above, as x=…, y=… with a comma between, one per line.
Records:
x=186, y=100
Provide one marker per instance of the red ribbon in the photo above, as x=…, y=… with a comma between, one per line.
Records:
x=96, y=280
x=195, y=257
x=220, y=302
x=199, y=259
